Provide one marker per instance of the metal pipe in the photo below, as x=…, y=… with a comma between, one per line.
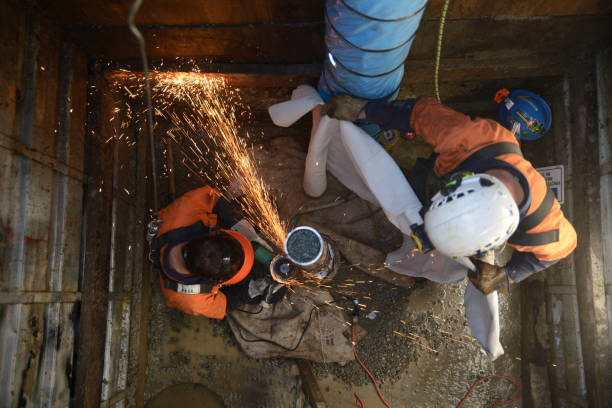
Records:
x=312, y=252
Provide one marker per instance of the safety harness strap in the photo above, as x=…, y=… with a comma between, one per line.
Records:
x=539, y=238
x=493, y=150
x=178, y=234
x=195, y=289
x=536, y=217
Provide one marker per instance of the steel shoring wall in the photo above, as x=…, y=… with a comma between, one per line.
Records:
x=41, y=178
x=567, y=370
x=604, y=114
x=45, y=392
x=121, y=266
x=11, y=322
x=587, y=218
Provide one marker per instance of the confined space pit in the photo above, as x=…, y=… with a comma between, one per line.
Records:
x=303, y=245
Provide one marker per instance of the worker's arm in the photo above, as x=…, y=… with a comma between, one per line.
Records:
x=227, y=215
x=193, y=206
x=389, y=115
x=489, y=278
x=453, y=135
x=525, y=264
x=527, y=260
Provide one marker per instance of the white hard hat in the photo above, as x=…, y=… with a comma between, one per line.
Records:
x=478, y=215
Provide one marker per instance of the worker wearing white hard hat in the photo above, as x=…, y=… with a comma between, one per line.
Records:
x=478, y=190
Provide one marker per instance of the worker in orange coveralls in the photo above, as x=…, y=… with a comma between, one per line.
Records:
x=202, y=264
x=487, y=155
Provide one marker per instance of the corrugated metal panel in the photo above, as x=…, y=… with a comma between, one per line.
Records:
x=604, y=89
x=589, y=256
x=113, y=280
x=40, y=219
x=124, y=237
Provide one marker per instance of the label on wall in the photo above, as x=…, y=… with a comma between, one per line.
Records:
x=554, y=178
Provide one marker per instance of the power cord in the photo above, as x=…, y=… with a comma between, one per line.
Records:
x=518, y=390
x=353, y=342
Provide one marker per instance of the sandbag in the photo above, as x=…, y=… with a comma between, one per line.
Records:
x=305, y=324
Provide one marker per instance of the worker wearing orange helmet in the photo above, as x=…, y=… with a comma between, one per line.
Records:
x=200, y=262
x=478, y=189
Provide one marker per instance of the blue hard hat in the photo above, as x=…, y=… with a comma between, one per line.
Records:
x=526, y=113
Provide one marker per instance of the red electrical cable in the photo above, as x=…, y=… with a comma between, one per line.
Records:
x=518, y=390
x=359, y=403
x=358, y=400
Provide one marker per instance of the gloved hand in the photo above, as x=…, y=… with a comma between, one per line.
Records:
x=245, y=228
x=420, y=238
x=274, y=292
x=266, y=291
x=488, y=278
x=343, y=107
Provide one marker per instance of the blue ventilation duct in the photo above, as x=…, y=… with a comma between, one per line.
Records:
x=367, y=42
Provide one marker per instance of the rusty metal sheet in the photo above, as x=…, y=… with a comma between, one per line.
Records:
x=141, y=278
x=46, y=65
x=263, y=44
x=590, y=288
x=14, y=317
x=96, y=263
x=604, y=89
x=84, y=13
x=116, y=350
x=244, y=44
x=23, y=325
x=7, y=203
x=121, y=271
x=522, y=8
x=72, y=236
x=36, y=233
x=572, y=346
x=194, y=12
x=56, y=352
x=12, y=24
x=78, y=110
x=15, y=297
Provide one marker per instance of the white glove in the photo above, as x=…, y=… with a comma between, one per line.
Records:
x=245, y=228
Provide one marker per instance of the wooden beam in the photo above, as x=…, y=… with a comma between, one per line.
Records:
x=310, y=385
x=11, y=298
x=96, y=265
x=285, y=44
x=40, y=157
x=71, y=13
x=594, y=326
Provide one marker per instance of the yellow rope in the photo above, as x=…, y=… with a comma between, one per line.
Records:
x=440, y=34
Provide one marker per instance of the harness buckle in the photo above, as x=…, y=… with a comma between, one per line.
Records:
x=152, y=229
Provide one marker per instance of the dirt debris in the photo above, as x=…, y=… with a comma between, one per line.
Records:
x=395, y=336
